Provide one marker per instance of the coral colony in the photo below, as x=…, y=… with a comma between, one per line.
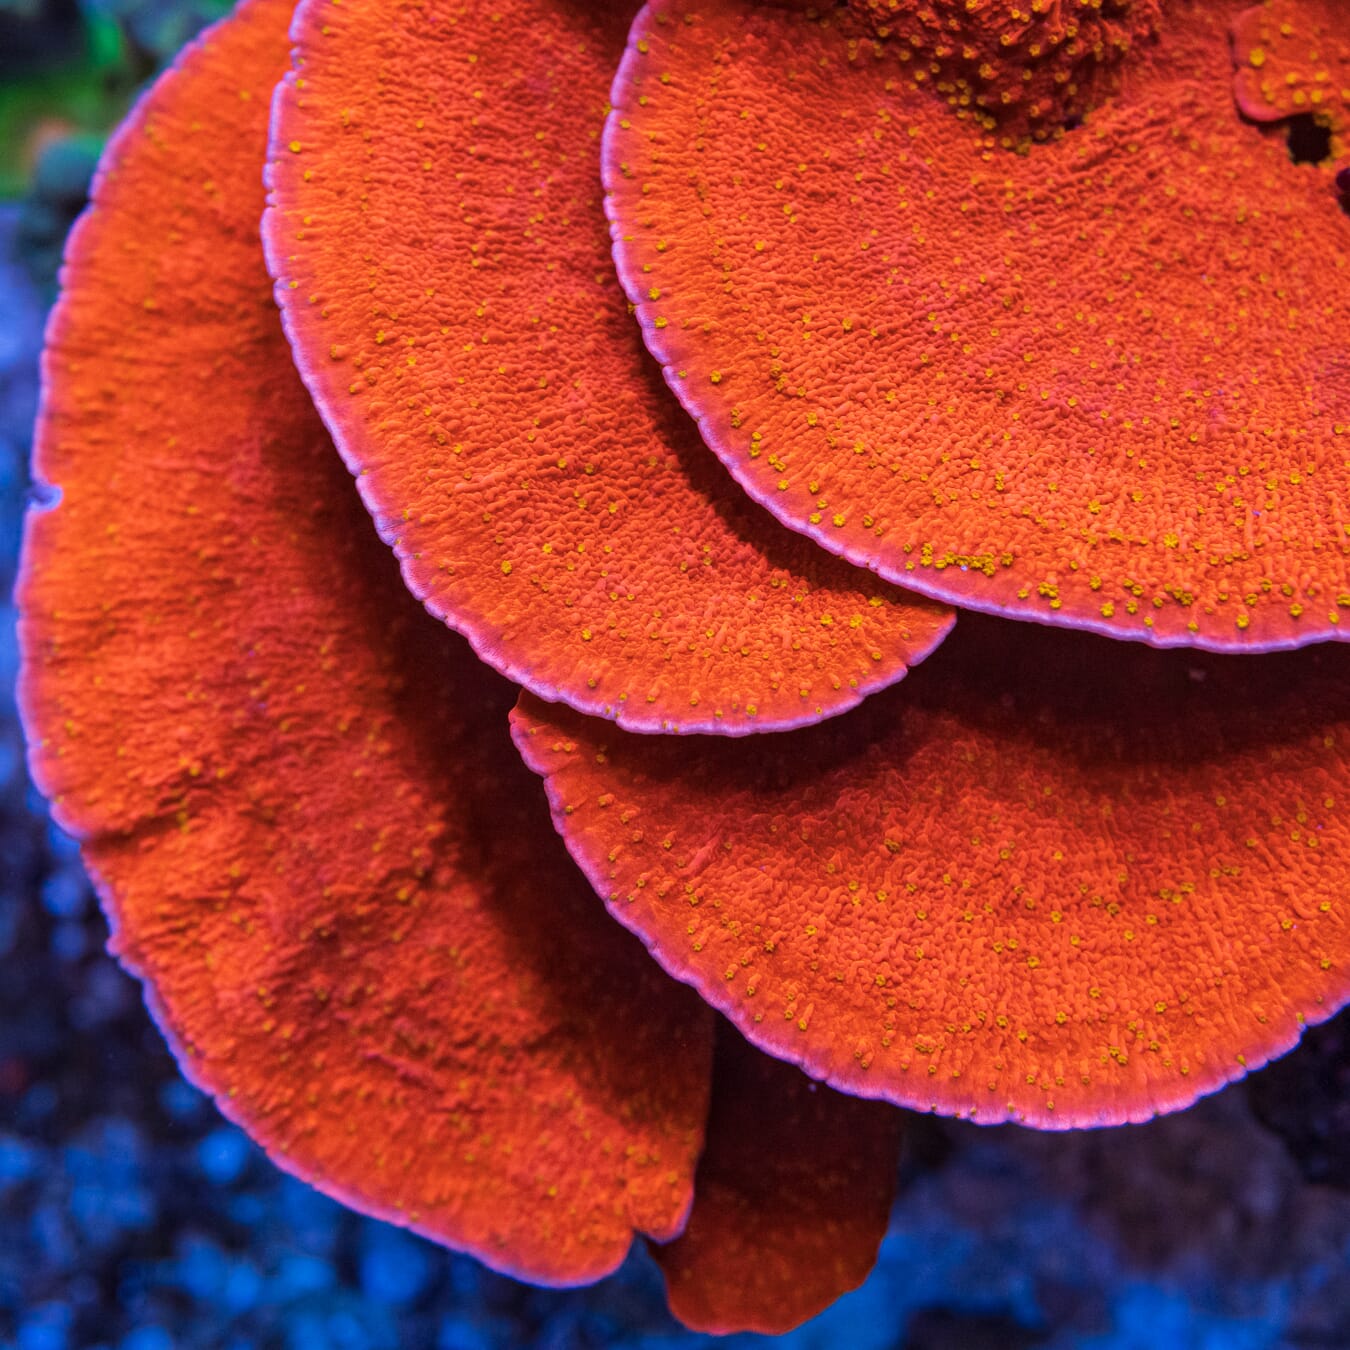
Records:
x=968, y=314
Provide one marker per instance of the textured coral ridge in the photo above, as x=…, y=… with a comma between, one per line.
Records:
x=1051, y=878
x=296, y=791
x=545, y=494
x=1102, y=384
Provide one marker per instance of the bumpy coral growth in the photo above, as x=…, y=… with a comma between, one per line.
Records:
x=545, y=493
x=1019, y=69
x=1052, y=878
x=1292, y=59
x=295, y=790
x=1102, y=385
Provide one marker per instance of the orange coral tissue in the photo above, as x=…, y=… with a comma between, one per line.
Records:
x=1102, y=384
x=683, y=405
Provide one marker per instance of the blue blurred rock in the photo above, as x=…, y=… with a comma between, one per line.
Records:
x=299, y=1274
x=200, y=1270
x=70, y=941
x=147, y=1338
x=19, y=1160
x=395, y=1267
x=46, y=1327
x=181, y=1102
x=224, y=1154
x=65, y=892
x=55, y=197
x=467, y=1331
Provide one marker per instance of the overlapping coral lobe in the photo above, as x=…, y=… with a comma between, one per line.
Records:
x=1088, y=385
x=793, y=1194
x=310, y=831
x=545, y=494
x=1052, y=879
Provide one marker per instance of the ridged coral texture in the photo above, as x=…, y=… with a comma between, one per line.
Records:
x=1051, y=879
x=544, y=492
x=1102, y=385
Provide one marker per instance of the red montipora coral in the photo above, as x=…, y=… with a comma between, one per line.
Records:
x=295, y=791
x=1102, y=384
x=298, y=796
x=1018, y=72
x=1051, y=878
x=444, y=271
